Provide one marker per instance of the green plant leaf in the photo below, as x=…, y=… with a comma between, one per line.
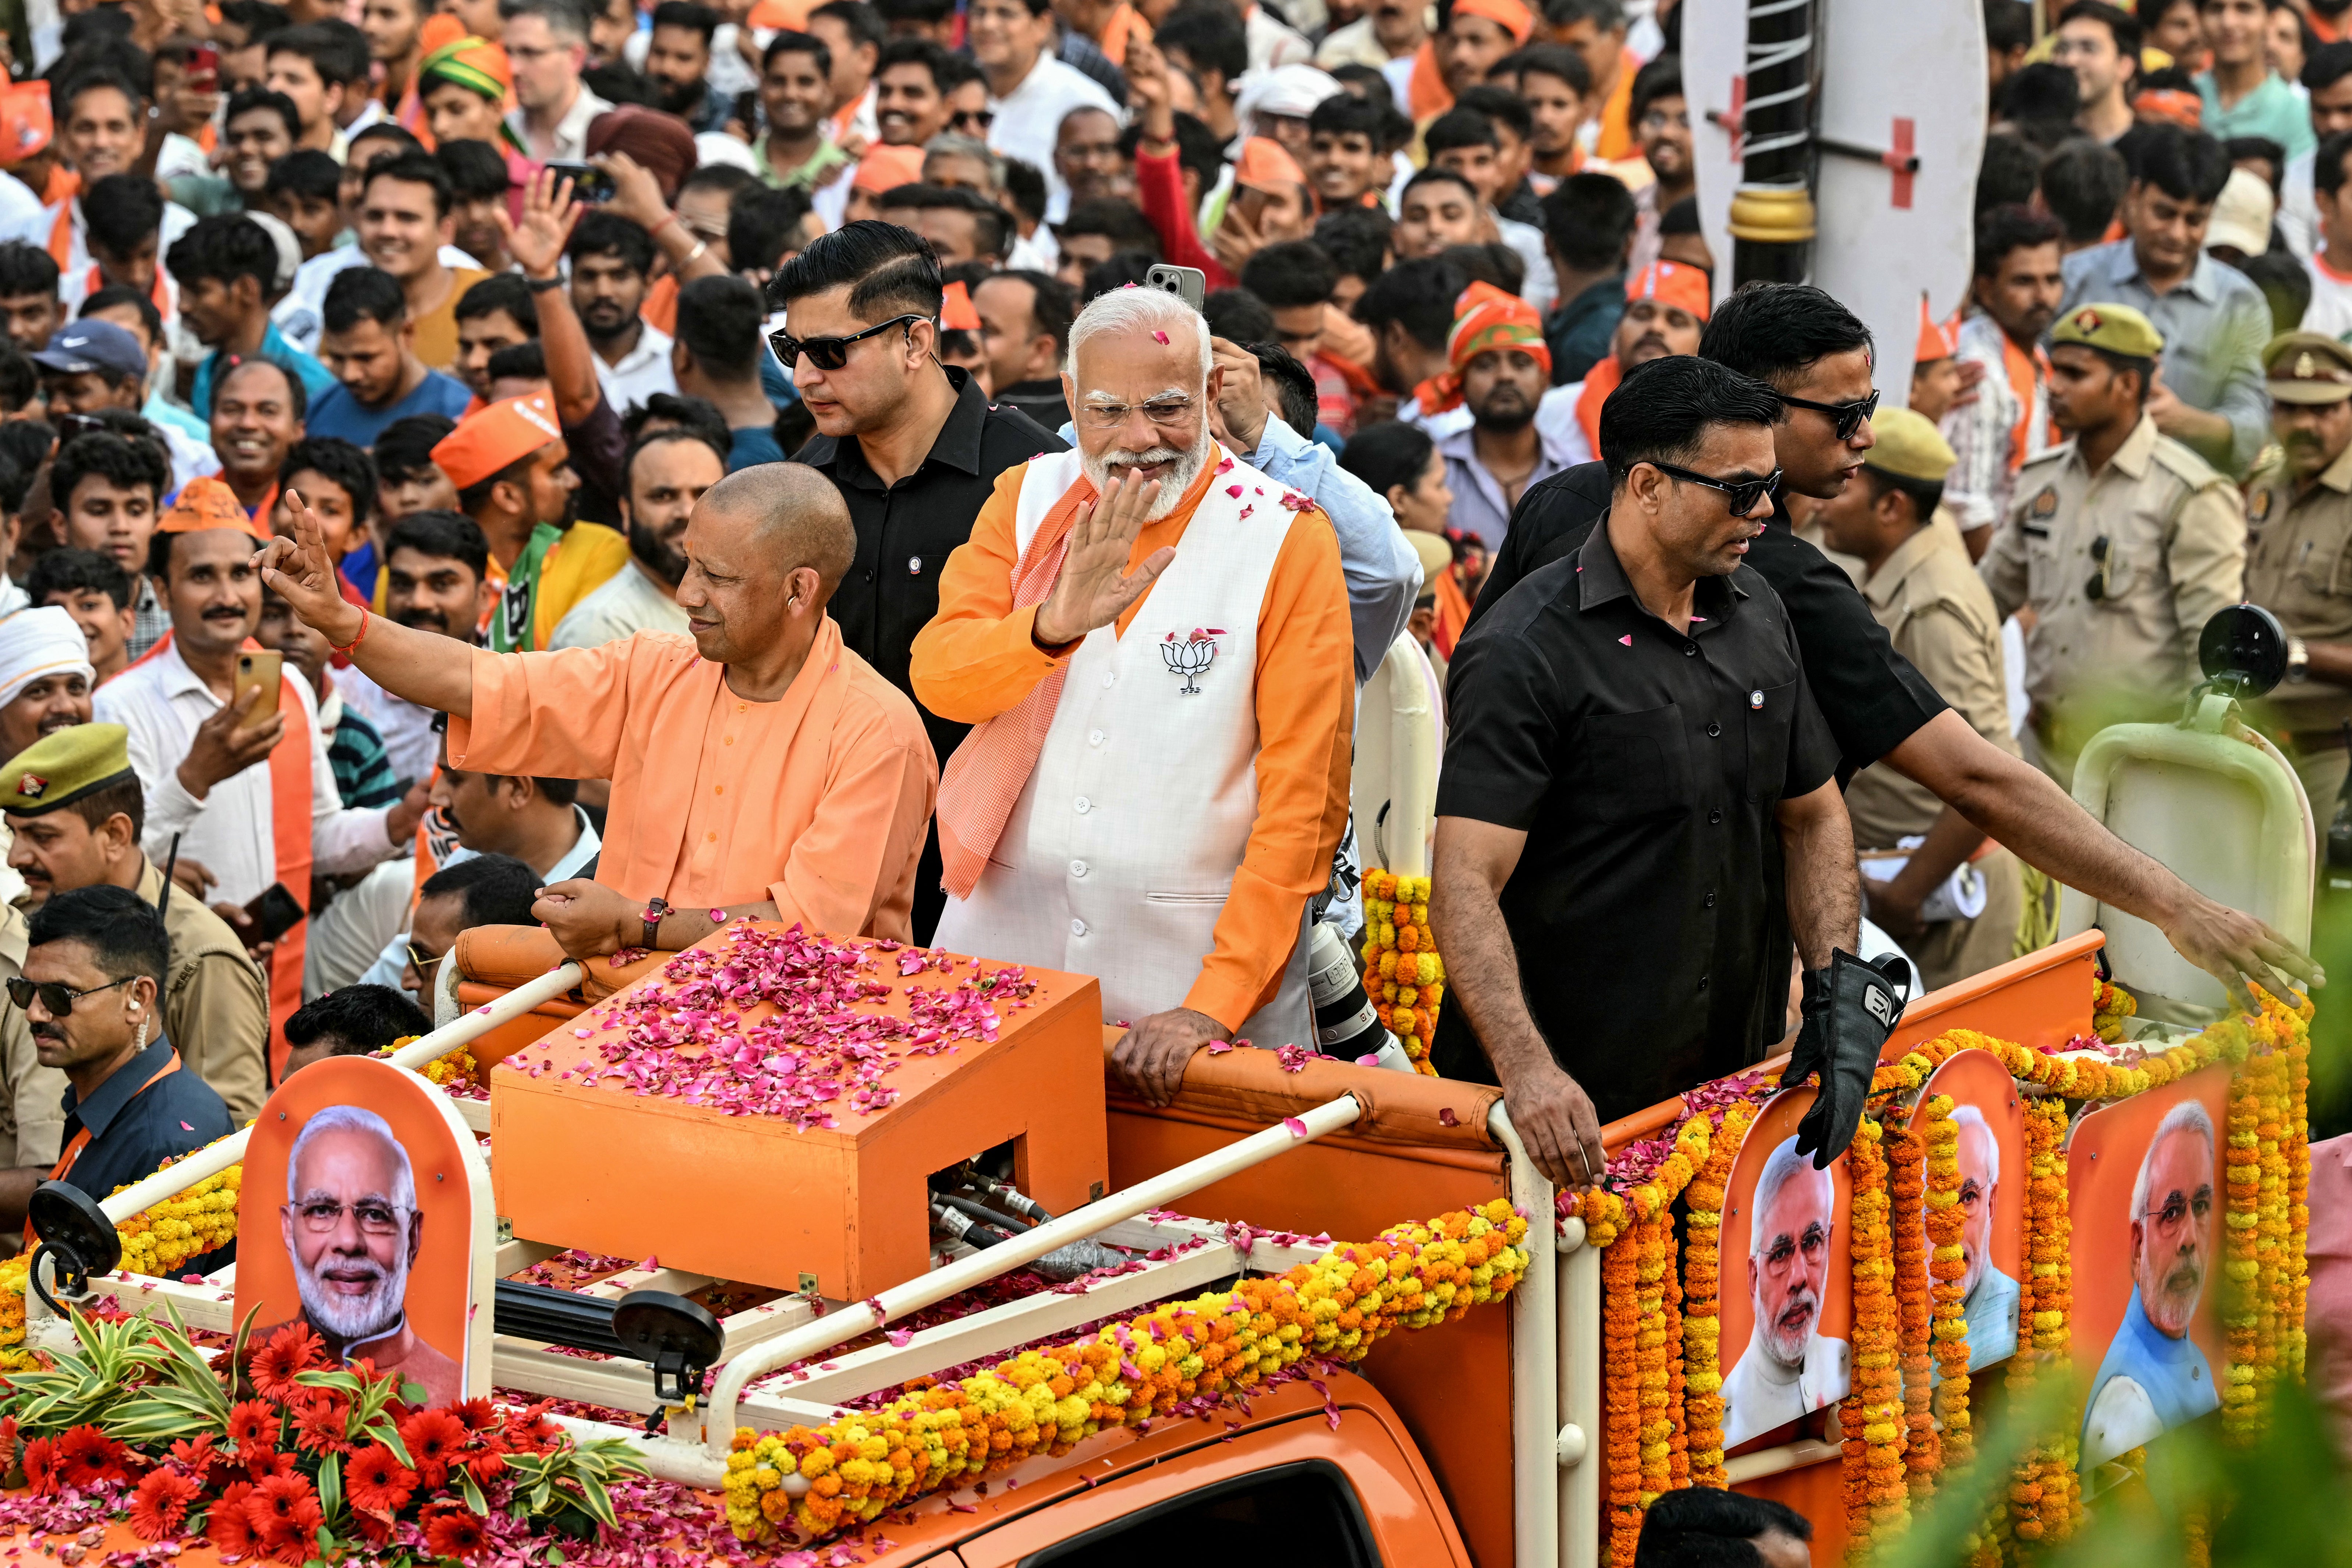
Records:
x=414, y=1394
x=331, y=1488
x=472, y=1490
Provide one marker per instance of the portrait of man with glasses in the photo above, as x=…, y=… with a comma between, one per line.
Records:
x=2155, y=1377
x=353, y=1230
x=1788, y=1366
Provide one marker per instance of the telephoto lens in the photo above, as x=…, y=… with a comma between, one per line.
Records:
x=1345, y=1023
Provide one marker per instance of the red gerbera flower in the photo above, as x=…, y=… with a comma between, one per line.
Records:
x=529, y=1431
x=161, y=1503
x=284, y=1513
x=7, y=1444
x=487, y=1464
x=319, y=1422
x=454, y=1532
x=40, y=1466
x=478, y=1415
x=375, y=1478
x=434, y=1439
x=253, y=1427
x=260, y=1467
x=199, y=1458
x=230, y=1527
x=87, y=1455
x=292, y=1349
x=374, y=1529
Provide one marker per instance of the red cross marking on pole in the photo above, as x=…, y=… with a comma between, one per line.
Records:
x=1897, y=161
x=1738, y=115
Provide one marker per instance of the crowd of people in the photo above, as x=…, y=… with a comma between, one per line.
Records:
x=626, y=470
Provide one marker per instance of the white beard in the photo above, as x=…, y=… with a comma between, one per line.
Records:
x=353, y=1318
x=1185, y=465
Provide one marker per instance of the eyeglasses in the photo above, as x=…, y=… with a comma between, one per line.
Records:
x=423, y=960
x=971, y=119
x=1659, y=120
x=320, y=1216
x=2178, y=1208
x=1847, y=418
x=57, y=1000
x=829, y=353
x=1167, y=413
x=1783, y=1250
x=1740, y=495
x=2103, y=581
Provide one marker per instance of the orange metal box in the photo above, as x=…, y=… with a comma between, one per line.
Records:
x=844, y=1211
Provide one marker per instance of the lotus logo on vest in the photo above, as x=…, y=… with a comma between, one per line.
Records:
x=1189, y=655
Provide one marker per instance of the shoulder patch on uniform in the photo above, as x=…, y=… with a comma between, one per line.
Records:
x=2258, y=504
x=2046, y=504
x=2185, y=465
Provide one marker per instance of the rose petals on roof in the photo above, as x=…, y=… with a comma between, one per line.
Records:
x=1445, y=1116
x=1297, y=1127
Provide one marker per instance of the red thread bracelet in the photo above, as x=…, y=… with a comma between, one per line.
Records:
x=357, y=640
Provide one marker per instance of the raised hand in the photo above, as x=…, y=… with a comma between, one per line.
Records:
x=1096, y=587
x=548, y=214
x=299, y=571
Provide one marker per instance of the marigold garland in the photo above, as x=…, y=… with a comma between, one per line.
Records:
x=1906, y=1154
x=1621, y=1416
x=1879, y=1508
x=2242, y=1296
x=2110, y=1006
x=1948, y=1268
x=1180, y=1358
x=184, y=1226
x=1653, y=1240
x=1402, y=968
x=1702, y=1301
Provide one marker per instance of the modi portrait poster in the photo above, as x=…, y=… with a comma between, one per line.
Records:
x=1991, y=1120
x=357, y=1218
x=1787, y=1268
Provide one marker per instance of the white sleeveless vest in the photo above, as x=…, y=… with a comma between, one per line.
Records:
x=1119, y=855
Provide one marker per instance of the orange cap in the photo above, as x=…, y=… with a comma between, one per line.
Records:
x=1675, y=283
x=25, y=124
x=956, y=313
x=1936, y=339
x=1267, y=165
x=886, y=167
x=439, y=28
x=499, y=435
x=203, y=504
x=1509, y=14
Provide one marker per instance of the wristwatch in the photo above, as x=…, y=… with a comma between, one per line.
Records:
x=654, y=909
x=2298, y=661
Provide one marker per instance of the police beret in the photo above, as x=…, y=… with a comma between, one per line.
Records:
x=63, y=766
x=1909, y=447
x=2307, y=367
x=2117, y=329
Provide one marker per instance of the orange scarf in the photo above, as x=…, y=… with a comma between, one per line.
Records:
x=62, y=236
x=1616, y=142
x=2024, y=370
x=95, y=279
x=1125, y=26
x=1452, y=612
x=1426, y=94
x=290, y=830
x=81, y=1139
x=1599, y=383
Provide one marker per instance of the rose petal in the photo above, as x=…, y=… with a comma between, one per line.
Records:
x=1162, y=337
x=1297, y=1127
x=1445, y=1116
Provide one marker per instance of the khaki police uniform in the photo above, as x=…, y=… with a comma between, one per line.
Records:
x=1941, y=616
x=2121, y=568
x=2299, y=564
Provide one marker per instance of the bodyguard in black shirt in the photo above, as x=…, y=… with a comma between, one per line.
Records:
x=912, y=444
x=1632, y=760
x=1817, y=355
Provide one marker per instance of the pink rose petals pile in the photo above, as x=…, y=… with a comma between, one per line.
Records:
x=686, y=1035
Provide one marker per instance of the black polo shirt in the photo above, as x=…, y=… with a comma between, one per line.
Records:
x=1871, y=696
x=134, y=1130
x=1645, y=767
x=904, y=532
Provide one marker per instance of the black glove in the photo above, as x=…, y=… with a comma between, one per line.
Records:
x=1849, y=1010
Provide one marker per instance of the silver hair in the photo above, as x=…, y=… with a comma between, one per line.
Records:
x=354, y=1119
x=1970, y=1116
x=2189, y=1116
x=1785, y=1163
x=948, y=144
x=1141, y=311
x=567, y=19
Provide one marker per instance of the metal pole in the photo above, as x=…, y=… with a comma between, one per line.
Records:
x=1772, y=220
x=1535, y=1361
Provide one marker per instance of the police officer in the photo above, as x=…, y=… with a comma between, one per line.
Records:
x=2122, y=541
x=2299, y=550
x=1816, y=354
x=1924, y=589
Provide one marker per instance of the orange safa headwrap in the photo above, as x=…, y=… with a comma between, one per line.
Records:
x=1672, y=283
x=203, y=504
x=1508, y=15
x=499, y=435
x=886, y=167
x=1267, y=165
x=1484, y=317
x=956, y=311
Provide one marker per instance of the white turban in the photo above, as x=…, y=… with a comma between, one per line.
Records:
x=1293, y=91
x=38, y=643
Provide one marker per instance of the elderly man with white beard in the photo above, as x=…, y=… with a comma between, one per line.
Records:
x=353, y=1230
x=2154, y=1377
x=1990, y=1297
x=1789, y=1369
x=1154, y=638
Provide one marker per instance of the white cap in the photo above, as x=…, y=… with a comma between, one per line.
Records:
x=37, y=643
x=2241, y=216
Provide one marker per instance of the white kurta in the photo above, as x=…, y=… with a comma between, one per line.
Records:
x=1762, y=1394
x=1119, y=855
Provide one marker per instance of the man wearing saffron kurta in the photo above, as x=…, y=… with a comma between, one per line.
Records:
x=1153, y=639
x=760, y=769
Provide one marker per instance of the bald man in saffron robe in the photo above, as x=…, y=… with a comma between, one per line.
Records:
x=760, y=769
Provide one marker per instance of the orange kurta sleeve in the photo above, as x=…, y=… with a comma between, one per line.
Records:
x=1305, y=692
x=852, y=868
x=556, y=715
x=977, y=657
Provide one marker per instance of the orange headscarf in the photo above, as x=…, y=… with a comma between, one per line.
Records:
x=1484, y=317
x=208, y=503
x=956, y=311
x=1673, y=283
x=1267, y=165
x=886, y=167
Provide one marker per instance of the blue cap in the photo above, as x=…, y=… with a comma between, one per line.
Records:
x=87, y=345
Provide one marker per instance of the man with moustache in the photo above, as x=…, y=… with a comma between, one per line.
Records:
x=1666, y=307
x=665, y=473
x=1789, y=1369
x=89, y=994
x=610, y=258
x=2017, y=289
x=353, y=1229
x=910, y=91
x=1501, y=368
x=1184, y=657
x=2154, y=1377
x=46, y=679
x=677, y=64
x=1990, y=1297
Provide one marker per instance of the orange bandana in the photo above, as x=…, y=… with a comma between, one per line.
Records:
x=503, y=433
x=1508, y=15
x=886, y=168
x=203, y=504
x=956, y=313
x=1672, y=283
x=1484, y=317
x=1267, y=165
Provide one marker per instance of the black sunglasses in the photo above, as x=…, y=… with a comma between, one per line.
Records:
x=1739, y=495
x=57, y=999
x=1847, y=418
x=829, y=353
